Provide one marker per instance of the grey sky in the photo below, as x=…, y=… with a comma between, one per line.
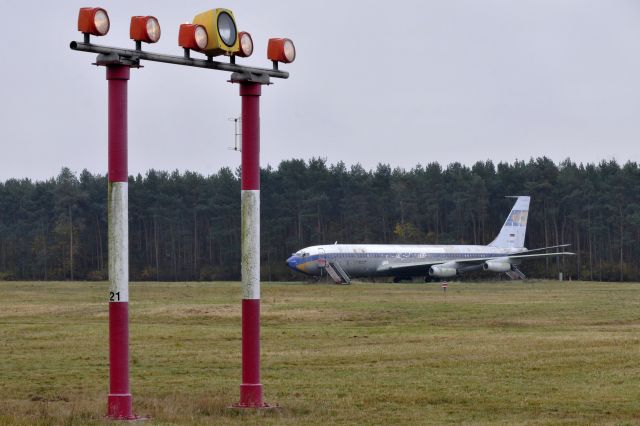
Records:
x=401, y=82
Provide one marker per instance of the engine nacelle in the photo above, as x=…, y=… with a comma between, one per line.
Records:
x=496, y=266
x=442, y=271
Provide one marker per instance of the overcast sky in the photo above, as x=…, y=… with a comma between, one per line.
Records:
x=402, y=82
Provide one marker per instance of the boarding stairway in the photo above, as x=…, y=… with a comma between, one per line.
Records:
x=335, y=271
x=515, y=274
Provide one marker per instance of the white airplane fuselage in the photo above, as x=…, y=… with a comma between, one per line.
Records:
x=363, y=260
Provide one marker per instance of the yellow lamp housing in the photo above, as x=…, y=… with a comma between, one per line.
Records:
x=222, y=32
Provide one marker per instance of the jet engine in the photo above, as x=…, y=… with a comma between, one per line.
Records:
x=496, y=266
x=442, y=271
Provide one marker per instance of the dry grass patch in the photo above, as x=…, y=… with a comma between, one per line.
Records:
x=493, y=353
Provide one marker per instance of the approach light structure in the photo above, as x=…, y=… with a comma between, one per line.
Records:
x=212, y=33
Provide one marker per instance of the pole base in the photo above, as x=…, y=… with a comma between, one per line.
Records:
x=119, y=407
x=264, y=406
x=251, y=396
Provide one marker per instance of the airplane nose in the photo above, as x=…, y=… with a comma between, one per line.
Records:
x=291, y=262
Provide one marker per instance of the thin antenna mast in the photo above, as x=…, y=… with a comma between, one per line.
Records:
x=237, y=134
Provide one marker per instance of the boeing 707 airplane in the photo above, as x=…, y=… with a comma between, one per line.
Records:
x=345, y=261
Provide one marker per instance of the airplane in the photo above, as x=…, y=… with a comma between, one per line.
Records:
x=402, y=262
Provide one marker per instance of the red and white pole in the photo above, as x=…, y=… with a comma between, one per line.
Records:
x=119, y=403
x=251, y=388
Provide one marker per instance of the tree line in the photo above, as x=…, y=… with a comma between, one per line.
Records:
x=186, y=226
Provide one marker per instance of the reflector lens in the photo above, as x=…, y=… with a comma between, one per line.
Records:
x=289, y=50
x=101, y=21
x=246, y=44
x=281, y=50
x=227, y=29
x=144, y=28
x=200, y=36
x=153, y=29
x=93, y=20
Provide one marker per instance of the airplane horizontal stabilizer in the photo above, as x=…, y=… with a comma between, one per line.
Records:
x=548, y=248
x=558, y=253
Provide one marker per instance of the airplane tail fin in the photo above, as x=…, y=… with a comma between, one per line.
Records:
x=512, y=233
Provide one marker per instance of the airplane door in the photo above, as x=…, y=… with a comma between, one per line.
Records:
x=322, y=260
x=322, y=256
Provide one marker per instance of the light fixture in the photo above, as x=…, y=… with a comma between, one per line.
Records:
x=222, y=33
x=192, y=36
x=246, y=44
x=93, y=21
x=144, y=28
x=281, y=50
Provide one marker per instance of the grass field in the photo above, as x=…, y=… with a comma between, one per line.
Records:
x=506, y=353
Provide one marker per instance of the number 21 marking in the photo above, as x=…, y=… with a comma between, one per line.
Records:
x=114, y=297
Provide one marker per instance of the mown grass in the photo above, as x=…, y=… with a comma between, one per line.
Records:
x=499, y=353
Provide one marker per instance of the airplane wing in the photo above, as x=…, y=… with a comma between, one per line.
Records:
x=420, y=267
x=417, y=268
